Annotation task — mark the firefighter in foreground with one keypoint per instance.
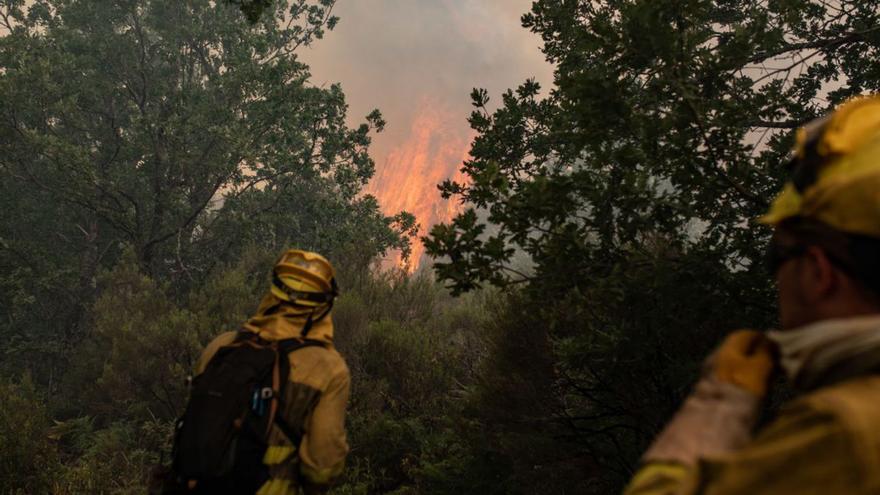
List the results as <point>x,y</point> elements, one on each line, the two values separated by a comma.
<point>267,408</point>
<point>825,254</point>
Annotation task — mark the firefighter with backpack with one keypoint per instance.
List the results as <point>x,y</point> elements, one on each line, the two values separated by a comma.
<point>266,413</point>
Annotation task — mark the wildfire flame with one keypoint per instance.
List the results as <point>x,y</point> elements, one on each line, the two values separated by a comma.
<point>433,152</point>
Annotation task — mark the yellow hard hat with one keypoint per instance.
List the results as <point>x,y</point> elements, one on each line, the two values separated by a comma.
<point>304,278</point>
<point>836,171</point>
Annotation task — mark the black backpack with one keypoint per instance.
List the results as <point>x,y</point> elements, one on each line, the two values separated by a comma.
<point>221,438</point>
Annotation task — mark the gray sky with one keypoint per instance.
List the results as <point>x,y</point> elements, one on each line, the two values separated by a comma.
<point>417,61</point>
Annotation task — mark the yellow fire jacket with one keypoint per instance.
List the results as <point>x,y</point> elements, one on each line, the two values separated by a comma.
<point>314,401</point>
<point>825,442</point>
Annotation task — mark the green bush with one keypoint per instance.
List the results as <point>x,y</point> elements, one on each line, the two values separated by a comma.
<point>117,459</point>
<point>28,458</point>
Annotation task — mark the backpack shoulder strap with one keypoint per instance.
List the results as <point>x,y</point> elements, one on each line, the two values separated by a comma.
<point>285,347</point>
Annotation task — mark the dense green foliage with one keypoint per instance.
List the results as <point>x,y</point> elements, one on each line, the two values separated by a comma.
<point>176,129</point>
<point>156,155</point>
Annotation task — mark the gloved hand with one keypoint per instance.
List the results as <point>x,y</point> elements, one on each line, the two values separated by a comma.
<point>746,359</point>
<point>718,416</point>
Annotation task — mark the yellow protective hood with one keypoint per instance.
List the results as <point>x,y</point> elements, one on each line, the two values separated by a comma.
<point>846,193</point>
<point>277,321</point>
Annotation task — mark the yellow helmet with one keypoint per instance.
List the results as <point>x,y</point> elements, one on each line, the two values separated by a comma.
<point>836,171</point>
<point>304,278</point>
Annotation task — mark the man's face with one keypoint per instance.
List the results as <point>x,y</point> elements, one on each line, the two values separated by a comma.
<point>812,282</point>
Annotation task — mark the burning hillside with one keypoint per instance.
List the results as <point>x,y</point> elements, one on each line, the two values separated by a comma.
<point>408,178</point>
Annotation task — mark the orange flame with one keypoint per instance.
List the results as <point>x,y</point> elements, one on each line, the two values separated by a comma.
<point>437,144</point>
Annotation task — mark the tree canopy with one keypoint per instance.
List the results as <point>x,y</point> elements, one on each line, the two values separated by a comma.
<point>178,130</point>
<point>667,119</point>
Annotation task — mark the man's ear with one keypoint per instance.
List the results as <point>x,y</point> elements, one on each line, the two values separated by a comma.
<point>819,275</point>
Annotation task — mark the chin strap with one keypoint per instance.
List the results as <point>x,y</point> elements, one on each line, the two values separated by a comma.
<point>331,296</point>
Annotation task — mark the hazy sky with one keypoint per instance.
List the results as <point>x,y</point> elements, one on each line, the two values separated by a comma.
<point>395,54</point>
<point>417,61</point>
